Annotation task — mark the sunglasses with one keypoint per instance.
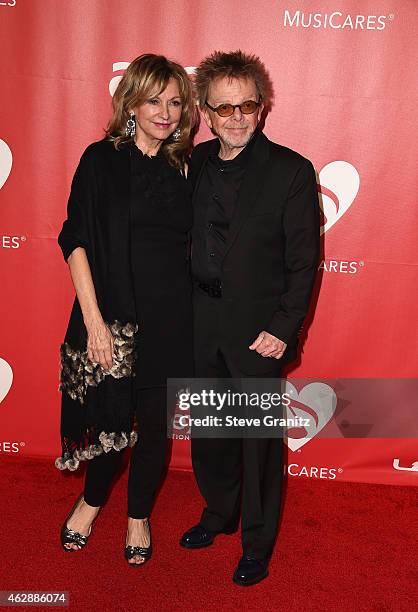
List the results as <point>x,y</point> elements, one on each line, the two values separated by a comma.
<point>226,110</point>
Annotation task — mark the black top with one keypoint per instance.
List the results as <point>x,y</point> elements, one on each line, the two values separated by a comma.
<point>161,220</point>
<point>215,204</point>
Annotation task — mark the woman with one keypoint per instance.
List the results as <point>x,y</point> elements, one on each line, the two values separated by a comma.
<point>126,242</point>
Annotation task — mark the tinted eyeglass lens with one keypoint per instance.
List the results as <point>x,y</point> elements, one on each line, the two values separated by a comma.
<point>224,110</point>
<point>247,108</point>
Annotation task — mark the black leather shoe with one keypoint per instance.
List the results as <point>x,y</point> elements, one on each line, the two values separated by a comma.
<point>250,571</point>
<point>198,537</point>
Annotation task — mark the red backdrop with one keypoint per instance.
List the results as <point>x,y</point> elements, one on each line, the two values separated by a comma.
<point>346,92</point>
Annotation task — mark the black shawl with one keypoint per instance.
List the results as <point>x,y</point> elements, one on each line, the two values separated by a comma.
<point>98,406</point>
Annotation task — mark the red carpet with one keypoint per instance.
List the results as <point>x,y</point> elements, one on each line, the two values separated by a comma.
<point>342,546</point>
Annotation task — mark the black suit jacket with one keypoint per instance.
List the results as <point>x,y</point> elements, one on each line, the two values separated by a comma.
<point>272,250</point>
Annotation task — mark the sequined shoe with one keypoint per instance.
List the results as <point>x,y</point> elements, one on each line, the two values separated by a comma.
<point>68,536</point>
<point>145,553</point>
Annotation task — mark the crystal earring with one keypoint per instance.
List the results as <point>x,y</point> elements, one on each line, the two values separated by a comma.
<point>176,134</point>
<point>130,129</point>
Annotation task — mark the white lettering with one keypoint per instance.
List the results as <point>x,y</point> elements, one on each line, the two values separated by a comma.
<point>412,468</point>
<point>9,447</point>
<point>333,24</point>
<point>371,22</point>
<point>323,473</point>
<point>335,20</point>
<point>360,19</point>
<point>317,20</point>
<point>289,20</point>
<point>348,22</point>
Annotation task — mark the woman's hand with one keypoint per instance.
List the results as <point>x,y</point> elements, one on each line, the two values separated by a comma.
<point>100,344</point>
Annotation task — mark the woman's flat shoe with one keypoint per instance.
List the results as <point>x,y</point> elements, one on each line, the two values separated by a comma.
<point>68,536</point>
<point>145,553</point>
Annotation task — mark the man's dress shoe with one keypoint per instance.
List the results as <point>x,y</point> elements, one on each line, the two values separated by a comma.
<point>197,537</point>
<point>250,571</point>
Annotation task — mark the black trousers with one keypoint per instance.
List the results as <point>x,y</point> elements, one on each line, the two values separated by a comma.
<point>236,475</point>
<point>148,459</point>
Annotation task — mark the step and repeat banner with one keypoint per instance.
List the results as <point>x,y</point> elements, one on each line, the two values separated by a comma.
<point>344,74</point>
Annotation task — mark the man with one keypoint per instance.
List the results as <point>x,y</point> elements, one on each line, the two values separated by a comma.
<point>255,255</point>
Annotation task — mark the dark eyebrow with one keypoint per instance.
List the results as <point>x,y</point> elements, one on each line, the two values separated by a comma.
<point>158,97</point>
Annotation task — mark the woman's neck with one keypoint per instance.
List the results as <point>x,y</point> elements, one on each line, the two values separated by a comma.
<point>149,148</point>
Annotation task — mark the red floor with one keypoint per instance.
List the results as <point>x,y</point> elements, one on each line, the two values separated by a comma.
<point>342,546</point>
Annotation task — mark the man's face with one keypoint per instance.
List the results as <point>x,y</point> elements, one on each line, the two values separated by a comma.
<point>234,131</point>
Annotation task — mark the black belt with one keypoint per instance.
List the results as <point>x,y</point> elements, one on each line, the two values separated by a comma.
<point>213,289</point>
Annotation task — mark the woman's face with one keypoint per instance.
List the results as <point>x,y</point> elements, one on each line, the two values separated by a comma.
<point>159,116</point>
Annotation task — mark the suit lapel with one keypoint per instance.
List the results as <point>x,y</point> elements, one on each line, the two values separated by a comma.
<point>250,188</point>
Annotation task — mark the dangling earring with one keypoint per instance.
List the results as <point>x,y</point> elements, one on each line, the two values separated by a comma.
<point>176,134</point>
<point>130,129</point>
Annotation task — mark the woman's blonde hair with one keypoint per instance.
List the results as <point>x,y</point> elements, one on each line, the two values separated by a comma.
<point>147,76</point>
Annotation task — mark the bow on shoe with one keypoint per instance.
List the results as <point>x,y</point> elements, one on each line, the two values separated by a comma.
<point>73,537</point>
<point>132,551</point>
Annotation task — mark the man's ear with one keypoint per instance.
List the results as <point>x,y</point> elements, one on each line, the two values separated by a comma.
<point>260,111</point>
<point>206,117</point>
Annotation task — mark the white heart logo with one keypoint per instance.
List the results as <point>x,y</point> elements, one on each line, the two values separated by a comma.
<point>339,185</point>
<point>316,401</point>
<point>6,160</point>
<point>115,81</point>
<point>6,378</point>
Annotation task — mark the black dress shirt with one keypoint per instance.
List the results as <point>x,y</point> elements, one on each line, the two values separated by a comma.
<point>215,203</point>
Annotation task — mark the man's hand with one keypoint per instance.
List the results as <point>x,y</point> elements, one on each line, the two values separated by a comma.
<point>268,345</point>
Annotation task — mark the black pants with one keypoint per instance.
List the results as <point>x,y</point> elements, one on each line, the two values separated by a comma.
<point>237,473</point>
<point>148,458</point>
